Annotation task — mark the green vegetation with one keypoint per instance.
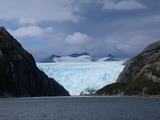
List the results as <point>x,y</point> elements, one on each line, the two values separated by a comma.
<point>136,87</point>
<point>144,83</point>
<point>143,87</point>
<point>112,89</point>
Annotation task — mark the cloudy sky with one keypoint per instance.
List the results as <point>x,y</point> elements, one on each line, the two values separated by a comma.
<point>99,27</point>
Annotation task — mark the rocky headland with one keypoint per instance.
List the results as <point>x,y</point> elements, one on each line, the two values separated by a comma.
<point>19,75</point>
<point>141,75</point>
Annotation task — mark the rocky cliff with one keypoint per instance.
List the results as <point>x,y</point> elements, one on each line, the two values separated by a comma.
<point>141,75</point>
<point>19,75</point>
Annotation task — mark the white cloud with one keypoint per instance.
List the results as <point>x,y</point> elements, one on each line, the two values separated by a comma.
<point>85,1</point>
<point>122,5</point>
<point>36,11</point>
<point>33,11</point>
<point>30,31</point>
<point>78,38</point>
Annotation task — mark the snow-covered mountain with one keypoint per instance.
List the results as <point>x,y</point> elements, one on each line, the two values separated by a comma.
<point>79,57</point>
<point>108,58</point>
<point>50,58</point>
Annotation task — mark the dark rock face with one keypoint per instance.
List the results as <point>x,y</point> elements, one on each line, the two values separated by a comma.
<point>111,59</point>
<point>78,54</point>
<point>19,75</point>
<point>110,55</point>
<point>142,73</point>
<point>50,58</point>
<point>148,62</point>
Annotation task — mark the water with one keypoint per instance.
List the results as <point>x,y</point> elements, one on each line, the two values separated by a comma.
<point>80,108</point>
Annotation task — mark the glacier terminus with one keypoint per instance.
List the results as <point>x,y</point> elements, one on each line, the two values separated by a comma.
<point>76,77</point>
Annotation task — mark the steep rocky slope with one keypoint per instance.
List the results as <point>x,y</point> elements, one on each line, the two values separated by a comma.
<point>141,74</point>
<point>19,75</point>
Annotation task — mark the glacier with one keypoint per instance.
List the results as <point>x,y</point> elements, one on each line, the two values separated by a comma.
<point>77,77</point>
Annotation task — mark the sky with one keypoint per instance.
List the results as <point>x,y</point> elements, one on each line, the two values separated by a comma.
<point>61,27</point>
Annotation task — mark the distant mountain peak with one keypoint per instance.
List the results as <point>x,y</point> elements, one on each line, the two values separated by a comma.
<point>52,56</point>
<point>78,54</point>
<point>110,55</point>
<point>111,59</point>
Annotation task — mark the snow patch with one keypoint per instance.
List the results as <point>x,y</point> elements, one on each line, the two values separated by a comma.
<point>83,58</point>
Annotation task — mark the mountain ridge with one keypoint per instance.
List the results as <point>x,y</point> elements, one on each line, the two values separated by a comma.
<point>79,57</point>
<point>78,54</point>
<point>19,75</point>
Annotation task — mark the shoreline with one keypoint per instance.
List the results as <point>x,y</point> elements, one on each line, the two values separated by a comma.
<point>74,96</point>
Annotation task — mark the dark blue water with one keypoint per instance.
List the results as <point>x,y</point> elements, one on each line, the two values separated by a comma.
<point>80,108</point>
